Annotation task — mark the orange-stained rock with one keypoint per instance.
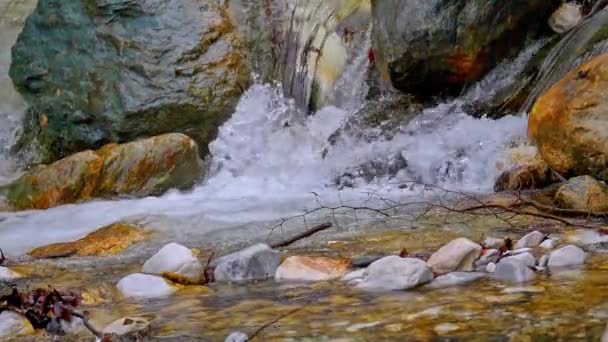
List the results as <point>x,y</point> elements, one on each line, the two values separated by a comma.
<point>569,123</point>
<point>68,180</point>
<point>110,240</point>
<point>302,268</point>
<point>150,166</point>
<point>523,168</point>
<point>139,168</point>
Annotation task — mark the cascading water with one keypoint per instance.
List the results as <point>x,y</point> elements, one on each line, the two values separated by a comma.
<point>12,106</point>
<point>270,156</point>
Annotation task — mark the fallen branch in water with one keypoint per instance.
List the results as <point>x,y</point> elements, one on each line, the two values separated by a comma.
<point>85,320</point>
<point>208,270</point>
<point>448,203</point>
<point>302,235</point>
<point>2,258</point>
<point>274,321</point>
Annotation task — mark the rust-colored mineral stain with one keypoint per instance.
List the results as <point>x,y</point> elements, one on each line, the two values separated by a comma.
<point>466,67</point>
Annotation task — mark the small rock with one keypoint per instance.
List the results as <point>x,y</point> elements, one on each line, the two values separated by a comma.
<point>354,276</point>
<point>301,268</point>
<point>567,256</point>
<point>583,193</point>
<point>255,262</point>
<point>396,273</point>
<point>445,328</point>
<point>513,270</point>
<point>360,326</point>
<point>493,243</point>
<point>527,258</point>
<point>129,328</point>
<point>532,239</point>
<point>237,336</point>
<point>491,267</point>
<point>507,299</point>
<point>566,17</point>
<point>487,256</point>
<point>455,279</point>
<point>457,255</point>
<point>524,289</point>
<point>8,274</point>
<point>14,325</point>
<point>548,244</point>
<point>177,263</point>
<point>140,285</point>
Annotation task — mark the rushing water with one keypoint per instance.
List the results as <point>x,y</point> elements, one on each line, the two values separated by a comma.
<point>269,159</point>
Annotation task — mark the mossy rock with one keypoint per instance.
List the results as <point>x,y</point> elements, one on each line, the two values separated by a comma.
<point>96,72</point>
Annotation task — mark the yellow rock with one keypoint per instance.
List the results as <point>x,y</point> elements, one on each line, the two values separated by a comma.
<point>569,123</point>
<point>302,268</point>
<point>110,240</point>
<point>139,168</point>
<point>66,181</point>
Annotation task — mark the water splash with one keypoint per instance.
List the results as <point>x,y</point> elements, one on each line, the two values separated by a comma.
<point>269,158</point>
<point>12,106</point>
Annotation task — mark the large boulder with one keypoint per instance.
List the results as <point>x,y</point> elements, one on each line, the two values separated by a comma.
<point>140,168</point>
<point>96,72</point>
<point>430,46</point>
<point>583,193</point>
<point>569,122</point>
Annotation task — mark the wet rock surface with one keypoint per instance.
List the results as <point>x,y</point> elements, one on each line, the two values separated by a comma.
<point>468,39</point>
<point>142,286</point>
<point>255,262</point>
<point>458,255</point>
<point>144,167</point>
<point>567,256</point>
<point>304,269</point>
<point>567,121</point>
<point>110,240</point>
<point>395,273</point>
<point>177,263</point>
<point>583,193</point>
<point>13,325</point>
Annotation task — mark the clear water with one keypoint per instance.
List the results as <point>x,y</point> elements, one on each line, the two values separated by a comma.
<point>267,162</point>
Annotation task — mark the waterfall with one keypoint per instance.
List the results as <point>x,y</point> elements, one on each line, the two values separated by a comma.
<point>268,159</point>
<point>12,106</point>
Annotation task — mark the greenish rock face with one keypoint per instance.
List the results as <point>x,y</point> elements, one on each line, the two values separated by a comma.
<point>427,47</point>
<point>103,71</point>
